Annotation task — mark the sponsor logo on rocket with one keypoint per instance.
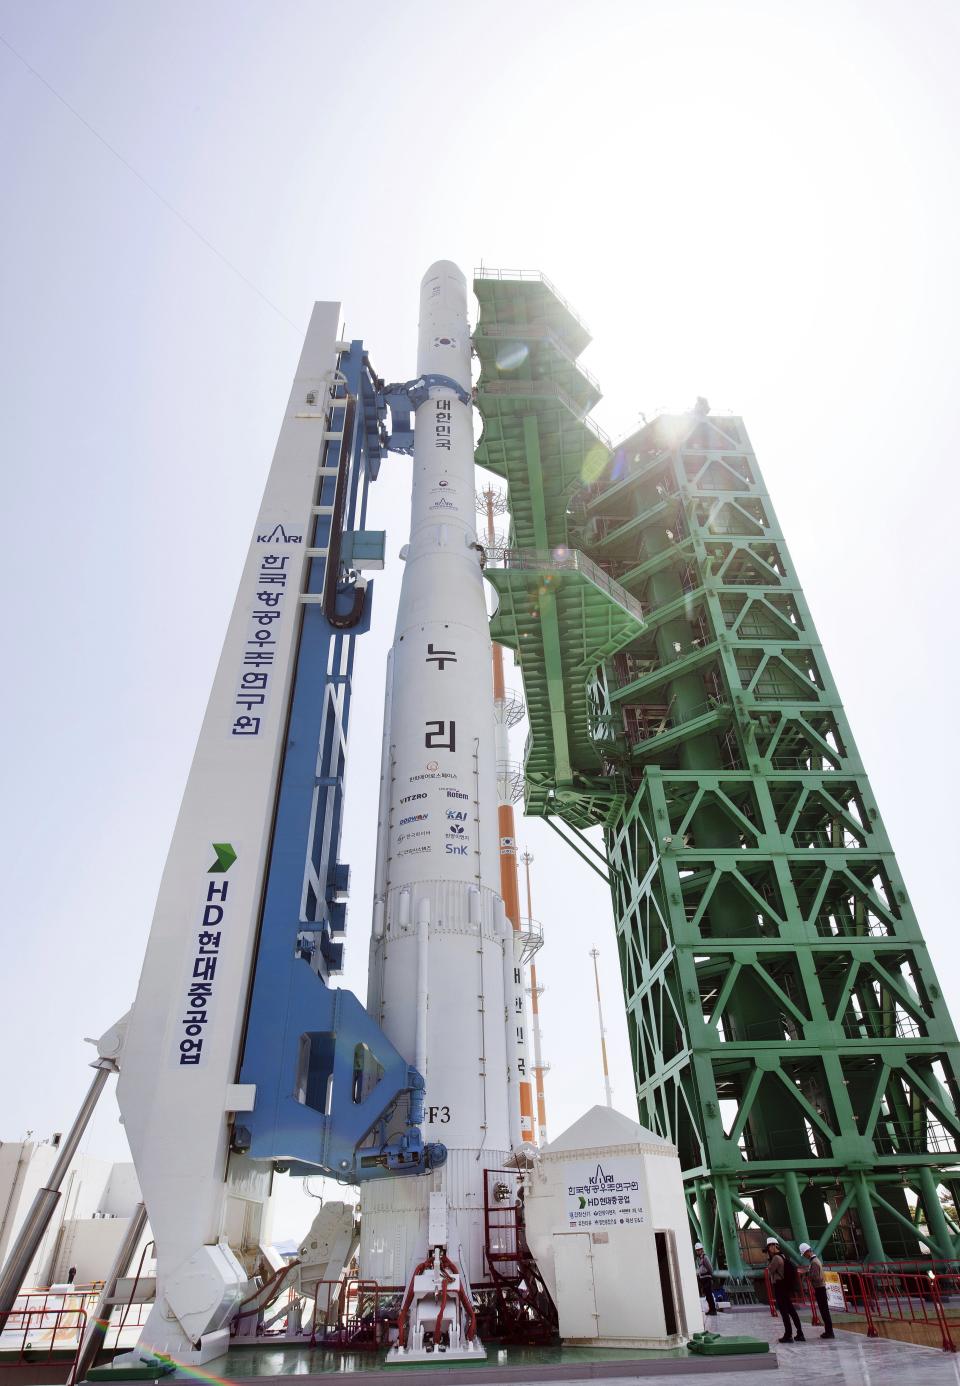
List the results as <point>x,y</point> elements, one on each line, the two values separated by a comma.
<point>457,794</point>
<point>414,818</point>
<point>409,798</point>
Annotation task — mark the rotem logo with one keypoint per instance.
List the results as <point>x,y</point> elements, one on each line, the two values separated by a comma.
<point>278,535</point>
<point>457,794</point>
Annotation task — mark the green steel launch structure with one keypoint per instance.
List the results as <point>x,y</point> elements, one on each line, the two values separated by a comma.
<point>787,1029</point>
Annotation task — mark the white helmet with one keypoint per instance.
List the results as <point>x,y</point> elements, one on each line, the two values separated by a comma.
<point>772,1241</point>
<point>804,1247</point>
<point>698,1246</point>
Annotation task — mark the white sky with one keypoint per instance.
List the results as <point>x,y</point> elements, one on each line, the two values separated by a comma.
<point>757,202</point>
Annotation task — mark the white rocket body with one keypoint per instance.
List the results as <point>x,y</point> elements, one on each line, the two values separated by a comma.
<point>437,975</point>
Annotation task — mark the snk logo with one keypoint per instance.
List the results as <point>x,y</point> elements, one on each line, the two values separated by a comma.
<point>278,535</point>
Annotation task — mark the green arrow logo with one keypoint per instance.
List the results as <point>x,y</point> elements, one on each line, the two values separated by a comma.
<point>226,856</point>
<point>583,1201</point>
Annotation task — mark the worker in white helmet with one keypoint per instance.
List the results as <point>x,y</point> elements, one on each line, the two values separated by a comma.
<point>705,1277</point>
<point>814,1270</point>
<point>784,1281</point>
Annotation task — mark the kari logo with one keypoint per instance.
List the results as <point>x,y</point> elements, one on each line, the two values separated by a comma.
<point>414,818</point>
<point>457,794</point>
<point>456,829</point>
<point>278,535</point>
<point>409,798</point>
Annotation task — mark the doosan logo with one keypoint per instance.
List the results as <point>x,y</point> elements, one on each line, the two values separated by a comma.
<point>278,535</point>
<point>409,798</point>
<point>414,818</point>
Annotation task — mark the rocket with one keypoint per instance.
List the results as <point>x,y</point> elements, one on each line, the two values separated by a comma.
<point>442,949</point>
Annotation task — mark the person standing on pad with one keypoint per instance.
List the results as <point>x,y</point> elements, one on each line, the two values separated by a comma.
<point>705,1277</point>
<point>784,1280</point>
<point>814,1269</point>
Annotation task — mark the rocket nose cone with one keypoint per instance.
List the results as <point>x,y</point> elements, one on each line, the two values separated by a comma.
<point>443,269</point>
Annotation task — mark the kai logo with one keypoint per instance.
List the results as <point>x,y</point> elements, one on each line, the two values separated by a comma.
<point>278,535</point>
<point>457,815</point>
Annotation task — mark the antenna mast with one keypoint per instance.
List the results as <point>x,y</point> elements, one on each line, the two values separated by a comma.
<point>608,1091</point>
<point>539,1067</point>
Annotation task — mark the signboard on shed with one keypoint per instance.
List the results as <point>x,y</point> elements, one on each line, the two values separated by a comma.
<point>611,1193</point>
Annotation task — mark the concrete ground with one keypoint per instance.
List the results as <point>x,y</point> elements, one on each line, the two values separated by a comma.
<point>849,1360</point>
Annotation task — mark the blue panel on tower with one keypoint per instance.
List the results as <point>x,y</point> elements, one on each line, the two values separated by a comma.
<point>302,1039</point>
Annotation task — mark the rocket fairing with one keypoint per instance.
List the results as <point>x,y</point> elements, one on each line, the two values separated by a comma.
<point>442,948</point>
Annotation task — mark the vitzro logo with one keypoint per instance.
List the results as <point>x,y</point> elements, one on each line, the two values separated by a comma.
<point>414,818</point>
<point>278,535</point>
<point>409,798</point>
<point>457,794</point>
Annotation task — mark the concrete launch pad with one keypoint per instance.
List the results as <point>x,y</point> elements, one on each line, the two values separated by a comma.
<point>251,1367</point>
<point>850,1360</point>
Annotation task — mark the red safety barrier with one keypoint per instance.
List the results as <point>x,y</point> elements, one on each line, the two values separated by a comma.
<point>898,1296</point>
<point>34,1325</point>
<point>354,1313</point>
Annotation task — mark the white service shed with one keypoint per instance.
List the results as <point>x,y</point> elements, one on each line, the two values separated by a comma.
<point>606,1220</point>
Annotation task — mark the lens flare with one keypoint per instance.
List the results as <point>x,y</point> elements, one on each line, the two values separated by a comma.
<point>594,464</point>
<point>510,355</point>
